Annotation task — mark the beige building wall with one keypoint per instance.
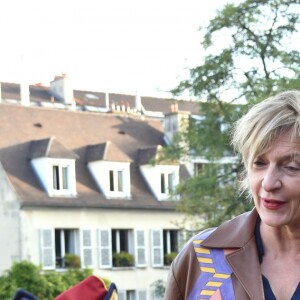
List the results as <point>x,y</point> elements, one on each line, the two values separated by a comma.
<point>94,219</point>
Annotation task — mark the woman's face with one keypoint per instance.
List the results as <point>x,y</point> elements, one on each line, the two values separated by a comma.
<point>274,179</point>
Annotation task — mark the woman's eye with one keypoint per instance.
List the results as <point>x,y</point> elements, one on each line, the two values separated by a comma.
<point>258,163</point>
<point>292,168</point>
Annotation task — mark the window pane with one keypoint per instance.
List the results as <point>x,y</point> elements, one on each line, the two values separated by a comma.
<point>131,295</point>
<point>174,240</point>
<point>55,178</point>
<point>114,240</point>
<point>166,241</point>
<point>171,182</point>
<point>111,181</point>
<point>162,183</point>
<point>58,248</point>
<point>65,178</point>
<point>198,168</point>
<point>120,181</point>
<point>124,245</point>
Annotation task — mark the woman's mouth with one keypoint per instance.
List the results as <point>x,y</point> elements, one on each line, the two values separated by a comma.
<point>272,203</point>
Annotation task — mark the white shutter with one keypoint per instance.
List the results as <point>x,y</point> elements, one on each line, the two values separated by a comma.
<point>141,295</point>
<point>157,248</point>
<point>104,248</point>
<point>86,248</point>
<point>122,295</point>
<point>140,248</point>
<point>47,249</point>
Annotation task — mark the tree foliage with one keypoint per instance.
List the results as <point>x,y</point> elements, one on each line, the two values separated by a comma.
<point>44,285</point>
<point>250,54</point>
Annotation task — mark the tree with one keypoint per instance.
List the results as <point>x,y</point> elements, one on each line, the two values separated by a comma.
<point>43,285</point>
<point>257,58</point>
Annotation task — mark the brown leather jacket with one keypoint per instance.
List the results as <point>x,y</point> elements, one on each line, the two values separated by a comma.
<point>237,239</point>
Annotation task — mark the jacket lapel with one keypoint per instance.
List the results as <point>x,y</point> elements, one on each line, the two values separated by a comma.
<point>237,238</point>
<point>245,265</point>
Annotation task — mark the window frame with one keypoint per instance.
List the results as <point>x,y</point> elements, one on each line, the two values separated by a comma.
<point>161,245</point>
<point>60,177</point>
<point>63,234</point>
<point>116,180</point>
<point>170,241</point>
<point>50,251</point>
<point>122,241</point>
<point>167,182</point>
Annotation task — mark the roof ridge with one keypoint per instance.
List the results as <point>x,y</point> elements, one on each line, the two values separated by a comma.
<point>107,145</point>
<point>51,139</point>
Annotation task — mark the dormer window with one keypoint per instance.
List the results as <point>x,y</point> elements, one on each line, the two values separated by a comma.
<point>54,164</point>
<point>56,175</point>
<point>110,168</point>
<point>163,177</point>
<point>198,168</point>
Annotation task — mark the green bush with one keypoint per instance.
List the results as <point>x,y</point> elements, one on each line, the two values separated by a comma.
<point>60,282</point>
<point>123,259</point>
<point>72,261</point>
<point>44,285</point>
<point>22,275</point>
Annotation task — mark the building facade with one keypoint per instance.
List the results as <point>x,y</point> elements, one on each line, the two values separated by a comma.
<point>83,182</point>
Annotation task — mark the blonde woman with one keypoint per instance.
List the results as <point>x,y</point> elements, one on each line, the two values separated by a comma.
<point>257,254</point>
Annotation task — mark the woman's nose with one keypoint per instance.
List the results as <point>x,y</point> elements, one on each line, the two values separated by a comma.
<point>271,179</point>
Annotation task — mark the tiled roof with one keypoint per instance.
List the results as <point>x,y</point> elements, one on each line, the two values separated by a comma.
<point>146,155</point>
<point>74,132</point>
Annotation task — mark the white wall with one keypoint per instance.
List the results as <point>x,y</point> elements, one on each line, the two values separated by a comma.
<point>94,219</point>
<point>9,223</point>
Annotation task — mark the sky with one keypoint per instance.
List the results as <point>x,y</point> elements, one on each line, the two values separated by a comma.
<point>115,46</point>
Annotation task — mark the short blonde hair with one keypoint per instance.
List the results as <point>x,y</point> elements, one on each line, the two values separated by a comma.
<point>264,122</point>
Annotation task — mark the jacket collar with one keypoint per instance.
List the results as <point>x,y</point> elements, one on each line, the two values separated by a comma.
<point>234,233</point>
<point>238,235</point>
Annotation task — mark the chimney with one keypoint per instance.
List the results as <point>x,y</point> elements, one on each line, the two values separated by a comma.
<point>138,102</point>
<point>107,100</point>
<point>61,88</point>
<point>73,106</point>
<point>175,122</point>
<point>24,94</point>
